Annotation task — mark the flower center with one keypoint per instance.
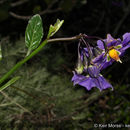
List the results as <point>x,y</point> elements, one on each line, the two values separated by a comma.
<point>114,55</point>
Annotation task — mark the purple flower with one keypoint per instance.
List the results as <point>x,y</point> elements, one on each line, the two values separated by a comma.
<point>115,49</point>
<point>125,42</point>
<point>93,79</point>
<point>91,60</point>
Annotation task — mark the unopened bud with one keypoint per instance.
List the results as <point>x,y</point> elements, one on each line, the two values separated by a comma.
<point>79,69</point>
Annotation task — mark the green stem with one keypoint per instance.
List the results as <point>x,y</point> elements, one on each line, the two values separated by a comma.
<point>19,64</point>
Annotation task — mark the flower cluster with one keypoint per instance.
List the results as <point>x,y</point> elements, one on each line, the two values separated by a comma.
<point>93,59</point>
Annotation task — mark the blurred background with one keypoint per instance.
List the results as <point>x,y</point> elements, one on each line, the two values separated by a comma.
<point>45,98</point>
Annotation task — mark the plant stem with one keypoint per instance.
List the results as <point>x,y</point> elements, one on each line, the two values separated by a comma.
<point>19,64</point>
<point>66,39</point>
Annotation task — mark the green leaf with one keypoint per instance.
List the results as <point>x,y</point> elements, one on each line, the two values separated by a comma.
<point>0,53</point>
<point>10,82</point>
<point>55,28</point>
<point>34,33</point>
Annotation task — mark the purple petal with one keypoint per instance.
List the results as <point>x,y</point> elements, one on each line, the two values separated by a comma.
<point>109,38</point>
<point>113,43</point>
<point>105,64</point>
<point>100,44</point>
<point>125,48</point>
<point>93,71</point>
<point>101,83</point>
<point>126,39</point>
<point>119,42</point>
<point>77,78</point>
<point>87,83</point>
<point>102,61</point>
<point>99,59</point>
<point>84,81</point>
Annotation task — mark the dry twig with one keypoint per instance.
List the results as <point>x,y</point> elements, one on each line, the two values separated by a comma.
<point>18,3</point>
<point>6,96</point>
<point>47,11</point>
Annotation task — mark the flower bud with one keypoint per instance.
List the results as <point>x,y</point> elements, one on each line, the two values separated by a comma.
<point>79,69</point>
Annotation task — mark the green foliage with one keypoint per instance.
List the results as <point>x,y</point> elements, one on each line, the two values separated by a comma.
<point>10,82</point>
<point>34,33</point>
<point>49,94</point>
<point>37,90</point>
<point>55,28</point>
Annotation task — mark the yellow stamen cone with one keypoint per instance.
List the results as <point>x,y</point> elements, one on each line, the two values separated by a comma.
<point>114,55</point>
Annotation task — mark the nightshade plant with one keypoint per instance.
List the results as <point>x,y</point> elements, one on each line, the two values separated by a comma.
<point>91,59</point>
